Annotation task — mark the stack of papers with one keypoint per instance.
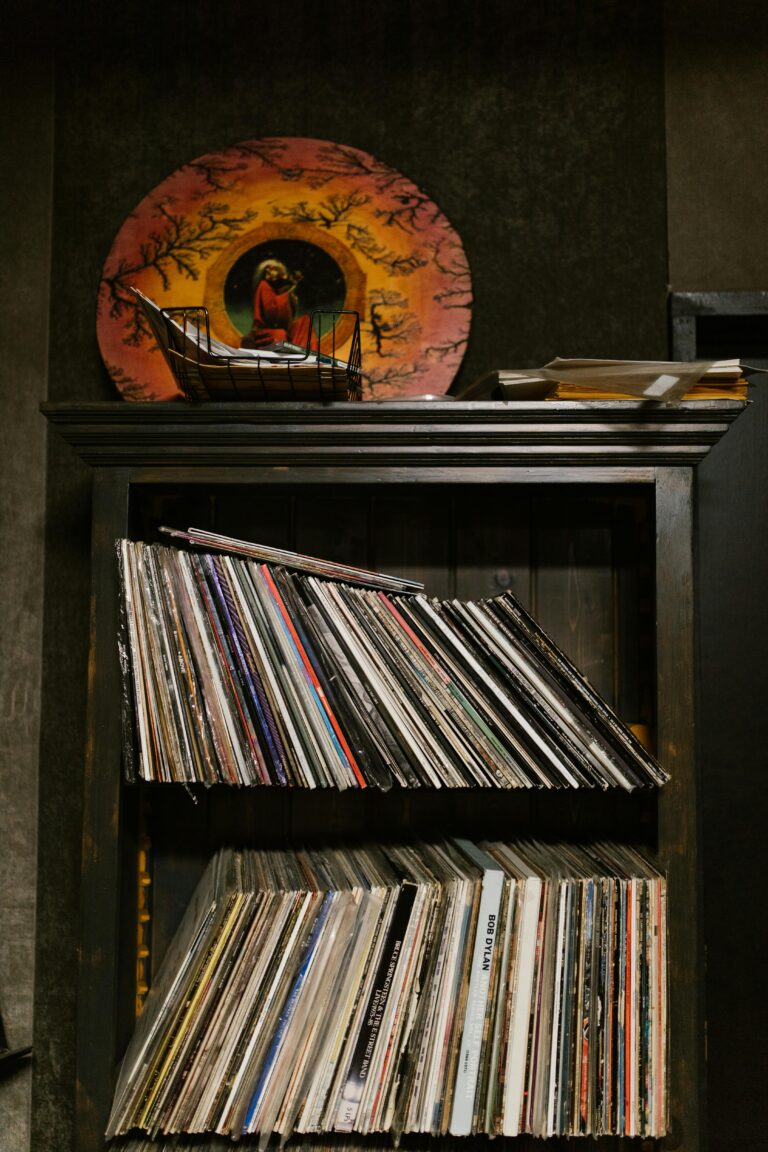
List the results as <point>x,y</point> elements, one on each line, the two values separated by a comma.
<point>658,380</point>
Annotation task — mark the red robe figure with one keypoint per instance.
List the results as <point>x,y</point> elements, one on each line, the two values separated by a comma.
<point>274,308</point>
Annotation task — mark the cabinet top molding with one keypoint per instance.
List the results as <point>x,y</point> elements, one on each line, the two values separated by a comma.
<point>385,435</point>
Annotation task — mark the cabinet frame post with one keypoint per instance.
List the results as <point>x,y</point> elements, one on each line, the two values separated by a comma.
<point>677,812</point>
<point>100,863</point>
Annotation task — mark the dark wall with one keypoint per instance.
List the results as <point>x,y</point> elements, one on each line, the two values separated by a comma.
<point>717,144</point>
<point>539,133</point>
<point>538,129</point>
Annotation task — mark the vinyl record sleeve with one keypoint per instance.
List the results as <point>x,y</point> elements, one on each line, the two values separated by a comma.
<point>253,719</point>
<point>494,763</point>
<point>406,720</point>
<point>343,660</point>
<point>176,974</point>
<point>343,998</point>
<point>298,763</point>
<point>436,740</point>
<point>426,1089</point>
<point>329,668</point>
<point>466,753</point>
<point>490,702</point>
<point>381,683</point>
<point>572,679</point>
<point>368,1036</point>
<point>535,728</point>
<point>294,561</point>
<point>500,768</point>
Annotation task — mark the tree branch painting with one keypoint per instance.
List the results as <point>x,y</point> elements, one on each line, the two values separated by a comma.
<point>197,238</point>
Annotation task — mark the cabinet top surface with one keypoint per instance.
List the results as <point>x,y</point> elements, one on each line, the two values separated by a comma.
<point>416,434</point>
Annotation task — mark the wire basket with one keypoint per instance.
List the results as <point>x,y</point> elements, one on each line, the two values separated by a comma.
<point>206,370</point>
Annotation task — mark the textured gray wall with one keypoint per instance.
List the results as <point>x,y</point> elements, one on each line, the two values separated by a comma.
<point>26,96</point>
<point>717,144</point>
<point>542,136</point>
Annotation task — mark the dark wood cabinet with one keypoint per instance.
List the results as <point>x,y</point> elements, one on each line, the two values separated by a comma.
<point>584,510</point>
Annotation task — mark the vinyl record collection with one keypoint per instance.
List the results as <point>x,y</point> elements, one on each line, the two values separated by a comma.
<point>440,988</point>
<point>299,673</point>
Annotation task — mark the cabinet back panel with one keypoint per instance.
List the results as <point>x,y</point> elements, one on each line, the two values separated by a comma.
<point>184,831</point>
<point>581,560</point>
<point>582,563</point>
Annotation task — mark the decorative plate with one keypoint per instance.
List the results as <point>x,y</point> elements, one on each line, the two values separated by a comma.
<point>348,232</point>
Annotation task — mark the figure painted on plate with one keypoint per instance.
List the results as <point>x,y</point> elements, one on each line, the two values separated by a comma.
<point>275,308</point>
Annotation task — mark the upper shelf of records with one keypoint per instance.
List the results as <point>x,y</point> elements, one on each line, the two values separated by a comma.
<point>241,672</point>
<point>425,436</point>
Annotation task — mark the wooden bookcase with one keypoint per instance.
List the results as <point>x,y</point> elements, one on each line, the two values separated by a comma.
<point>584,509</point>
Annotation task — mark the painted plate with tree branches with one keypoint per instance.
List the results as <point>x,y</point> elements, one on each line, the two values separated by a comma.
<point>265,232</point>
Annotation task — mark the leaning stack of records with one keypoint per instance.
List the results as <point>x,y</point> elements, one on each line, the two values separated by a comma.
<point>243,671</point>
<point>434,988</point>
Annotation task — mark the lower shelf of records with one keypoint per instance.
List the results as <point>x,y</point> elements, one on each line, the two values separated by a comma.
<point>444,988</point>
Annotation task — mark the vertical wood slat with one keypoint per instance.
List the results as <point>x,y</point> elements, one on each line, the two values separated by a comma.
<point>678,816</point>
<point>574,588</point>
<point>100,878</point>
<point>493,545</point>
<point>334,526</point>
<point>258,515</point>
<point>179,852</point>
<point>412,538</point>
<point>173,507</point>
<point>634,583</point>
